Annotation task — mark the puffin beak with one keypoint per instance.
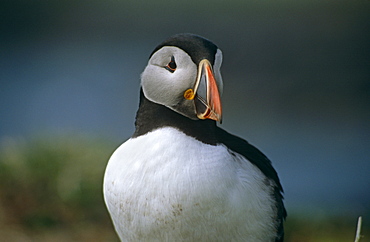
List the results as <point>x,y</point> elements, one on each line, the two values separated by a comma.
<point>206,95</point>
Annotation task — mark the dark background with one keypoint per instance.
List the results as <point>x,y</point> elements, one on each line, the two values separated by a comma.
<point>296,80</point>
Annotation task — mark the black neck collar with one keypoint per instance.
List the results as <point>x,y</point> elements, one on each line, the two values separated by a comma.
<point>151,116</point>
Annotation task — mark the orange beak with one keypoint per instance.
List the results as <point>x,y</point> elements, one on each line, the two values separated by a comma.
<point>207,96</point>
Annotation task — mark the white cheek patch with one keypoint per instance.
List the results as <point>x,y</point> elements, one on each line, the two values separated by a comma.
<point>162,86</point>
<point>152,90</point>
<point>161,58</point>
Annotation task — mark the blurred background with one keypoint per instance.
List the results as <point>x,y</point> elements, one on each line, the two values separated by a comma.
<point>296,85</point>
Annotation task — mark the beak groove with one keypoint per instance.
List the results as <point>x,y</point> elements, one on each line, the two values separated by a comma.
<point>207,96</point>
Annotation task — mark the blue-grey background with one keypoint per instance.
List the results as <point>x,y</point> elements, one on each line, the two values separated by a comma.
<point>296,80</point>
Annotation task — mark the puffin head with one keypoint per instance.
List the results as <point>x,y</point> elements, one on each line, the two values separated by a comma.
<point>183,74</point>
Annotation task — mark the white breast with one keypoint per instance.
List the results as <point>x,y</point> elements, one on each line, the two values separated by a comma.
<point>166,186</point>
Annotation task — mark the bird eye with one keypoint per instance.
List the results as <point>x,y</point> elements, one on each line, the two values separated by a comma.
<point>171,67</point>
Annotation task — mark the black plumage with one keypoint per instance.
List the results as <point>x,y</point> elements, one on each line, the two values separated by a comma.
<point>208,132</point>
<point>197,47</point>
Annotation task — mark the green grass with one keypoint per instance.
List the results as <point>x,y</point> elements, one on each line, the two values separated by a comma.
<point>51,190</point>
<point>54,186</point>
<point>302,228</point>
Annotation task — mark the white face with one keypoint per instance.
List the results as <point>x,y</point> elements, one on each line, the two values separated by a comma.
<point>166,86</point>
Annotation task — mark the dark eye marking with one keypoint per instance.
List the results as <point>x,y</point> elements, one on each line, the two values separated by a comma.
<point>171,66</point>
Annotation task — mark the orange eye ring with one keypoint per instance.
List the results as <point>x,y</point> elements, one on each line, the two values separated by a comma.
<point>171,67</point>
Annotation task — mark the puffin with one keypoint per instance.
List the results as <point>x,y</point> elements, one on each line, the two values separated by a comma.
<point>180,177</point>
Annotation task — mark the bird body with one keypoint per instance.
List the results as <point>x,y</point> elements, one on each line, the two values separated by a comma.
<point>190,190</point>
<point>180,177</point>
